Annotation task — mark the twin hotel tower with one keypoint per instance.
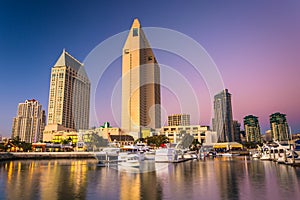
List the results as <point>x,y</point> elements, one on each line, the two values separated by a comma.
<point>69,103</point>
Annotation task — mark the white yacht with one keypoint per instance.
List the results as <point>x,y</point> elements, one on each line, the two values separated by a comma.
<point>148,153</point>
<point>167,155</point>
<point>280,151</point>
<point>255,154</point>
<point>297,146</point>
<point>265,153</point>
<point>107,155</point>
<point>129,160</point>
<point>130,156</point>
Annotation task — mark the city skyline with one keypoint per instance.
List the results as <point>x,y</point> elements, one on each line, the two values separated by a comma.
<point>253,44</point>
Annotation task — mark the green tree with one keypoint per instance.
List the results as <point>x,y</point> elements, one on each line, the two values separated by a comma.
<point>157,140</point>
<point>195,144</point>
<point>65,141</point>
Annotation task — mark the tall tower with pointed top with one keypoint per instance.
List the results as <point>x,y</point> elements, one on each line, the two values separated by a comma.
<point>69,96</point>
<point>140,83</point>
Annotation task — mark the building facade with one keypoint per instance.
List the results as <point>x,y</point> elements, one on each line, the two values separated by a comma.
<point>268,136</point>
<point>237,131</point>
<point>279,127</point>
<point>252,129</point>
<point>179,120</point>
<point>69,95</point>
<point>223,120</point>
<point>140,83</point>
<point>30,122</point>
<point>175,133</point>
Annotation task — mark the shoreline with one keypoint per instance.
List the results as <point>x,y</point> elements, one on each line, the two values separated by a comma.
<point>9,156</point>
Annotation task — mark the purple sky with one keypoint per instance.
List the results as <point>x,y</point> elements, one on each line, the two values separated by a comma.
<point>255,45</point>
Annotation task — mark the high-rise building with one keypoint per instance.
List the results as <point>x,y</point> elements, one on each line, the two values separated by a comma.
<point>30,122</point>
<point>268,135</point>
<point>236,130</point>
<point>69,95</point>
<point>252,129</point>
<point>279,127</point>
<point>223,120</point>
<point>179,120</point>
<point>140,83</point>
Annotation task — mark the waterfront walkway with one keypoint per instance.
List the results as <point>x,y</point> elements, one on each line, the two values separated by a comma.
<point>44,155</point>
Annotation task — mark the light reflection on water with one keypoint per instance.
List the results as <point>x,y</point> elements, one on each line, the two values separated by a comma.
<point>221,178</point>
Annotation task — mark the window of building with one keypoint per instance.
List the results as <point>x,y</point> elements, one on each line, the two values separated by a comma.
<point>135,32</point>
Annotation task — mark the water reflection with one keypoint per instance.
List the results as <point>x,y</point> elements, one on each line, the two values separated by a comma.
<point>221,178</point>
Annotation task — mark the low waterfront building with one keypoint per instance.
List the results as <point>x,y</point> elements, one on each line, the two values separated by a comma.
<point>175,133</point>
<point>51,130</point>
<point>38,147</point>
<point>228,146</point>
<point>103,132</point>
<point>121,139</point>
<point>65,137</point>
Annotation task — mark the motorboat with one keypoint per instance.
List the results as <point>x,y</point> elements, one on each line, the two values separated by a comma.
<point>142,146</point>
<point>226,154</point>
<point>207,151</point>
<point>107,155</point>
<point>265,153</point>
<point>293,158</point>
<point>297,146</point>
<point>129,160</point>
<point>280,151</point>
<point>130,156</point>
<point>167,155</point>
<point>130,149</point>
<point>190,155</point>
<point>255,155</point>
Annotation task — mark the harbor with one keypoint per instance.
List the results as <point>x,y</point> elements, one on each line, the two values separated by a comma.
<point>164,156</point>
<point>216,178</point>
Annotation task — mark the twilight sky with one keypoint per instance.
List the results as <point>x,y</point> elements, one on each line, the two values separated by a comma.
<point>254,44</point>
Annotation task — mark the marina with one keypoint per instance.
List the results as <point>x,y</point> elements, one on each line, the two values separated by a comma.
<point>237,177</point>
<point>277,152</point>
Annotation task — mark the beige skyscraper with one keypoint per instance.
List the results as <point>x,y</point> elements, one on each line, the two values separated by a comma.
<point>140,83</point>
<point>30,121</point>
<point>69,96</point>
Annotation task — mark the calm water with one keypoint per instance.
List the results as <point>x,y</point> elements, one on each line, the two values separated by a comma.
<point>221,178</point>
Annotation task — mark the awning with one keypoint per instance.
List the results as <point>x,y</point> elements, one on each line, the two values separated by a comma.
<point>220,146</point>
<point>236,146</point>
<point>226,145</point>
